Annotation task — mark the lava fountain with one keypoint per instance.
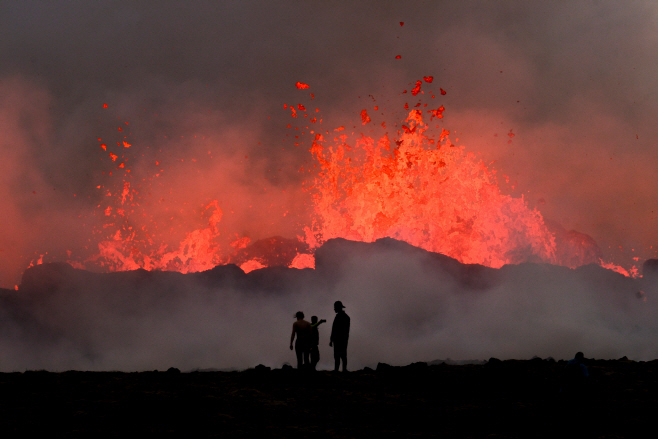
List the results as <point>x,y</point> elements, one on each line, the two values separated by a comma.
<point>417,187</point>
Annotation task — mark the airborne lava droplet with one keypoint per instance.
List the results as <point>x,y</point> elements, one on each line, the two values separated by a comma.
<point>126,144</point>
<point>104,146</point>
<point>428,79</point>
<point>443,92</point>
<point>113,156</point>
<point>364,117</point>
<point>416,89</point>
<point>301,85</point>
<point>401,23</point>
<point>104,105</point>
<point>398,57</point>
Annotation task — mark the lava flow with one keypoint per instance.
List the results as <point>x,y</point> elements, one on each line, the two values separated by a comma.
<point>418,187</point>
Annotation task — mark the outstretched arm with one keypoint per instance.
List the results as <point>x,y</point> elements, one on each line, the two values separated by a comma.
<point>314,325</point>
<point>292,336</point>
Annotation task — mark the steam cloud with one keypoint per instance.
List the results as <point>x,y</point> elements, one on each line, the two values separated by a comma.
<point>405,304</point>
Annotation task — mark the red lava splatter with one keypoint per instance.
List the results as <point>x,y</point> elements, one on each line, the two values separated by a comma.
<point>364,117</point>
<point>406,106</point>
<point>510,134</point>
<point>113,157</point>
<point>437,113</point>
<point>301,107</point>
<point>443,92</point>
<point>104,105</point>
<point>301,85</point>
<point>428,79</point>
<point>401,23</point>
<point>398,57</point>
<point>104,146</point>
<point>126,144</point>
<point>416,89</point>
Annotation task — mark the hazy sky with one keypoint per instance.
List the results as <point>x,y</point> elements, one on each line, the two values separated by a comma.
<point>575,81</point>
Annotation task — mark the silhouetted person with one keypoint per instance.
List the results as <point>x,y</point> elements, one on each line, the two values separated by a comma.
<point>315,341</point>
<point>574,378</point>
<point>340,333</point>
<point>302,346</point>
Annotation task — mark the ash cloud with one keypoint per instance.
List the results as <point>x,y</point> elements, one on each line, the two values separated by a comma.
<point>406,305</point>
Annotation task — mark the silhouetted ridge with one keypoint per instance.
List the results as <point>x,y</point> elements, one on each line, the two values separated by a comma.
<point>335,253</point>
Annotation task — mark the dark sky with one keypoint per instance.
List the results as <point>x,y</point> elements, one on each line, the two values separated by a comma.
<point>575,81</point>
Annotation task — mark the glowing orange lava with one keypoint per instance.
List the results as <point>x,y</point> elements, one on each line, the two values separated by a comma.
<point>426,191</point>
<point>418,187</point>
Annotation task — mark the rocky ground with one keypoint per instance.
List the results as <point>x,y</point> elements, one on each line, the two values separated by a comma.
<point>512,398</point>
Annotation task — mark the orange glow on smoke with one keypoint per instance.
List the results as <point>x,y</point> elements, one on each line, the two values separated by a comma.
<point>417,186</point>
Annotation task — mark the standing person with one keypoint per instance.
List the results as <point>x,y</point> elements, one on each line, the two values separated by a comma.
<point>340,333</point>
<point>302,346</point>
<point>315,341</point>
<point>575,375</point>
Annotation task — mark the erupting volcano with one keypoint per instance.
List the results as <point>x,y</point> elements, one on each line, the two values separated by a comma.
<point>412,184</point>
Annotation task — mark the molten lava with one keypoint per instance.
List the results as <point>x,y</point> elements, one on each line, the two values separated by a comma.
<point>418,187</point>
<point>427,192</point>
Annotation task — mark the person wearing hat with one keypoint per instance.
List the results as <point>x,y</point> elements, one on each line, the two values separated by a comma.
<point>340,333</point>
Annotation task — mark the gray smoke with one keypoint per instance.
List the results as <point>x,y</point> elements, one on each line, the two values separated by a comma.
<point>405,304</point>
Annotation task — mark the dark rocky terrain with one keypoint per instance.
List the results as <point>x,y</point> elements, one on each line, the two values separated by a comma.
<point>508,399</point>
